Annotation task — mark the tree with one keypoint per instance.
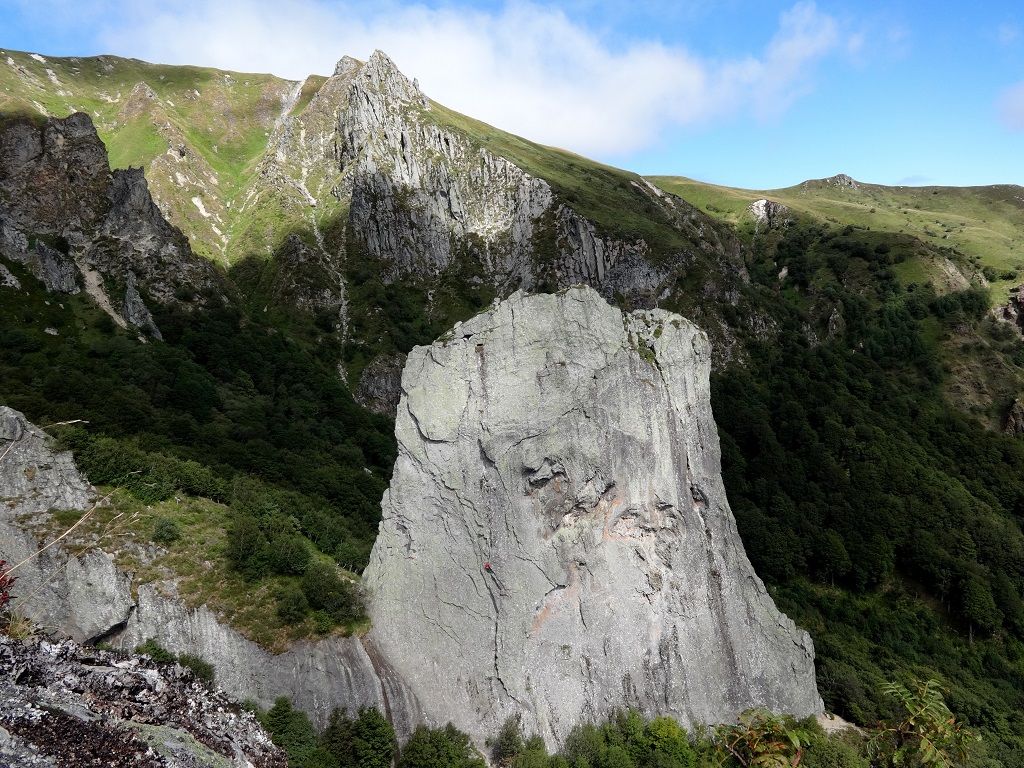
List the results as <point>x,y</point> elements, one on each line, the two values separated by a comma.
<point>669,745</point>
<point>835,560</point>
<point>291,730</point>
<point>760,740</point>
<point>336,739</point>
<point>509,742</point>
<point>929,734</point>
<point>979,607</point>
<point>373,739</point>
<point>446,747</point>
<point>326,591</point>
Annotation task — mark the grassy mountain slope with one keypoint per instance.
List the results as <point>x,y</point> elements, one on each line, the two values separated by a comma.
<point>983,224</point>
<point>210,127</point>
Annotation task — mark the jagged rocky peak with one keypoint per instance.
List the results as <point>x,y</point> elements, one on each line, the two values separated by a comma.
<point>73,223</point>
<point>556,541</point>
<point>380,74</point>
<point>346,65</point>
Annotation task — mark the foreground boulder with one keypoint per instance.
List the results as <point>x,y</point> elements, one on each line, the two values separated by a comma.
<point>64,705</point>
<point>556,541</point>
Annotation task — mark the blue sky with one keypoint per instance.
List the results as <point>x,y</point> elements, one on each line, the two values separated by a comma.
<point>751,94</point>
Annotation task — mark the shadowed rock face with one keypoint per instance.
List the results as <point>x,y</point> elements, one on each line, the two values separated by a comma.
<point>556,540</point>
<point>56,185</point>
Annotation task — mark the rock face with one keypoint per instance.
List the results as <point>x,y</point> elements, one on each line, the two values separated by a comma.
<point>87,599</point>
<point>62,705</point>
<point>73,224</point>
<point>768,213</point>
<point>317,677</point>
<point>556,541</point>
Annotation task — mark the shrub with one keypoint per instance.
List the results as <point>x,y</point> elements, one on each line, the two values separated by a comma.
<point>928,734</point>
<point>166,530</point>
<point>509,742</point>
<point>761,739</point>
<point>291,730</point>
<point>200,667</point>
<point>289,554</point>
<point>292,605</point>
<point>446,747</point>
<point>326,591</point>
<point>155,651</point>
<point>323,622</point>
<point>373,739</point>
<point>248,550</point>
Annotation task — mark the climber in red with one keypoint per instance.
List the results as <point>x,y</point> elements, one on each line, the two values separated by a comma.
<point>487,567</point>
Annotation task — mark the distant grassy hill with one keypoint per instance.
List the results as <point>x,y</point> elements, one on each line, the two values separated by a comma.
<point>983,224</point>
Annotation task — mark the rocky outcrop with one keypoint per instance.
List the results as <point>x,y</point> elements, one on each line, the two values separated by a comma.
<point>1013,311</point>
<point>1013,424</point>
<point>33,477</point>
<point>423,196</point>
<point>317,677</point>
<point>87,599</point>
<point>72,222</point>
<point>556,541</point>
<point>380,384</point>
<point>63,705</point>
<point>76,597</point>
<point>768,214</point>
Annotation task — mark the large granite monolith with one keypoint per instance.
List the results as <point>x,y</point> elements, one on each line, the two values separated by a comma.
<point>556,540</point>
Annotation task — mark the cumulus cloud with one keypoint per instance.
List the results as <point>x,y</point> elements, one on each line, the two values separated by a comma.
<point>1011,107</point>
<point>525,67</point>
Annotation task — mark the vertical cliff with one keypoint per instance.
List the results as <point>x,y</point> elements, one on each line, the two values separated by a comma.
<point>556,539</point>
<point>76,225</point>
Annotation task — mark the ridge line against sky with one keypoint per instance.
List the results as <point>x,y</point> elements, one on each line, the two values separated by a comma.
<point>749,94</point>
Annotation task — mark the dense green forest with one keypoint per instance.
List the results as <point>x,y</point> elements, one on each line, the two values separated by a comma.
<point>887,523</point>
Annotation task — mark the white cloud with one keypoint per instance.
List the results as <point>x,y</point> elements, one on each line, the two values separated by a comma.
<point>1008,33</point>
<point>1010,105</point>
<point>527,68</point>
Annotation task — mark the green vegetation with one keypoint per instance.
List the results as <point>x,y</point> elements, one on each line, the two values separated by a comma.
<point>856,424</point>
<point>887,523</point>
<point>446,747</point>
<point>202,669</point>
<point>214,124</point>
<point>227,409</point>
<point>983,224</point>
<point>927,733</point>
<point>367,741</point>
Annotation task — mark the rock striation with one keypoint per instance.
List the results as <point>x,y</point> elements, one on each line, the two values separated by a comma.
<point>556,541</point>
